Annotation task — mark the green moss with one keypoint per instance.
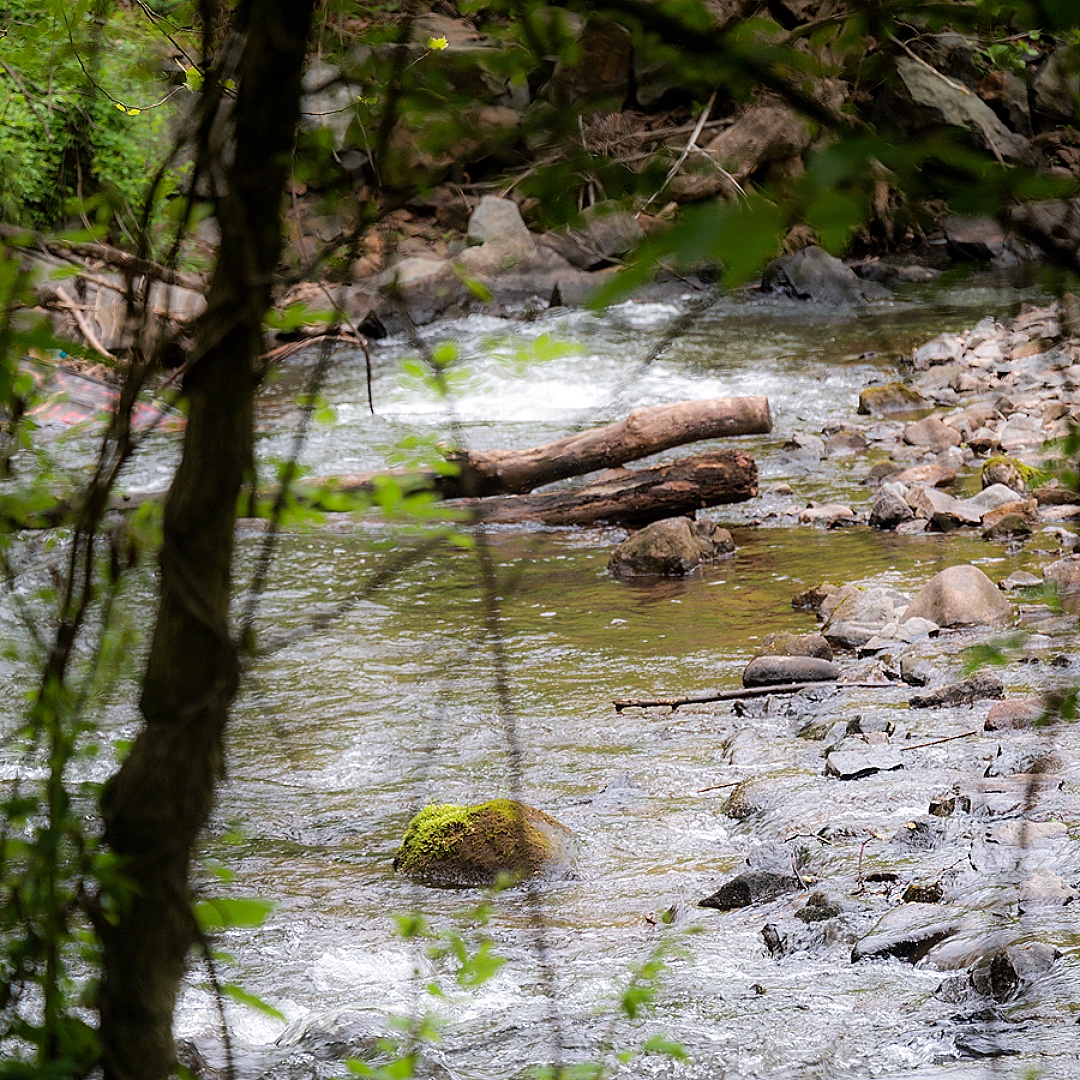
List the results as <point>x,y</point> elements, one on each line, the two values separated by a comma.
<point>452,845</point>
<point>1029,475</point>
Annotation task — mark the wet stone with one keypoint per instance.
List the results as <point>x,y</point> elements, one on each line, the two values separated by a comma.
<point>907,932</point>
<point>924,834</point>
<point>890,400</point>
<point>776,670</point>
<point>856,764</point>
<point>818,908</point>
<point>752,887</point>
<point>1014,714</point>
<point>916,671</point>
<point>1019,579</point>
<point>923,892</point>
<point>786,643</point>
<point>775,942</point>
<point>1003,973</point>
<point>889,509</point>
<point>1045,889</point>
<point>932,433</point>
<point>977,688</point>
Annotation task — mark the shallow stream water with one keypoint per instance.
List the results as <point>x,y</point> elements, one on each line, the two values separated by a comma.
<point>340,737</point>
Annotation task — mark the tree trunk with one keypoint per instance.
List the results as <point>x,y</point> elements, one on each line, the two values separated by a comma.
<point>635,496</point>
<point>156,805</point>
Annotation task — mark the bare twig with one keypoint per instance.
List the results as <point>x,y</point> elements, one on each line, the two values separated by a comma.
<point>933,70</point>
<point>732,695</point>
<point>691,145</point>
<point>87,330</point>
<point>947,738</point>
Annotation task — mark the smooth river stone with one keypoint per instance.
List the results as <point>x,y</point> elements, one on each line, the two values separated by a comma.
<point>775,670</point>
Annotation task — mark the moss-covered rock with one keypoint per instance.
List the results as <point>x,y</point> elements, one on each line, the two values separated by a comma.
<point>892,400</point>
<point>1015,474</point>
<point>453,846</point>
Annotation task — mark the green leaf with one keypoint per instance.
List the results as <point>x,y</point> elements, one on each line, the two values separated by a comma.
<point>658,1044</point>
<point>224,913</point>
<point>231,990</point>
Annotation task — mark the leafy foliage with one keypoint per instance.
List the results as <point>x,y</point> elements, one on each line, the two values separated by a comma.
<point>84,115</point>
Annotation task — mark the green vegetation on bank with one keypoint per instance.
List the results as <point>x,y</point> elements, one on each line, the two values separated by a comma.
<point>88,96</point>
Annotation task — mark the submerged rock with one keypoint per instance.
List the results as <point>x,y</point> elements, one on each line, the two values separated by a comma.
<point>907,932</point>
<point>452,846</point>
<point>1046,889</point>
<point>670,547</point>
<point>753,887</point>
<point>960,596</point>
<point>1003,973</point>
<point>818,908</point>
<point>856,764</point>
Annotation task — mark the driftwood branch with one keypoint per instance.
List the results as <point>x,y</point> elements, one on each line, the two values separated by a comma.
<point>635,496</point>
<point>87,331</point>
<point>105,253</point>
<point>644,432</point>
<point>734,695</point>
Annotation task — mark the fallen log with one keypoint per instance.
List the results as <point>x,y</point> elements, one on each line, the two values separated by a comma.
<point>634,497</point>
<point>643,433</point>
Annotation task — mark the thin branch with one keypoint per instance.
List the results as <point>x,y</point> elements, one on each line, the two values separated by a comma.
<point>702,120</point>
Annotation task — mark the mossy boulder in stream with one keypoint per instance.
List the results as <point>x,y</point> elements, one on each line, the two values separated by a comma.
<point>452,846</point>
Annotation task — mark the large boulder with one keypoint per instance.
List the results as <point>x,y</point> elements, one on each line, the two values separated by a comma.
<point>452,846</point>
<point>765,134</point>
<point>670,547</point>
<point>814,274</point>
<point>960,596</point>
<point>498,222</point>
<point>921,99</point>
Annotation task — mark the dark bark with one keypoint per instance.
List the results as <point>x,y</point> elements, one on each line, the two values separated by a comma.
<point>642,433</point>
<point>510,472</point>
<point>634,496</point>
<point>156,805</point>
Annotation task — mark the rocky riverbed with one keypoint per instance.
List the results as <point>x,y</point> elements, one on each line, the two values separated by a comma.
<point>888,858</point>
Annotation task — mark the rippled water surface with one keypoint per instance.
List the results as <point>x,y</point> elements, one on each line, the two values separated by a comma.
<point>340,737</point>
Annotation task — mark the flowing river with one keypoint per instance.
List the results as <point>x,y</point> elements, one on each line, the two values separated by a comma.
<point>341,736</point>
